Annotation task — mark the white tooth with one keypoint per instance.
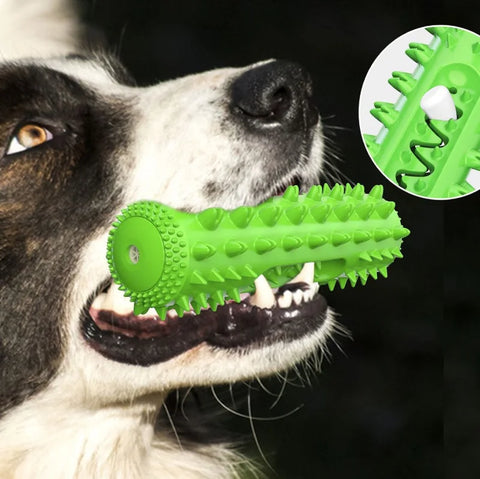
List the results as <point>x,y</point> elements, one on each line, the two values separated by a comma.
<point>298,296</point>
<point>99,301</point>
<point>285,300</point>
<point>308,295</point>
<point>305,275</point>
<point>438,104</point>
<point>151,312</point>
<point>113,300</point>
<point>316,287</point>
<point>263,297</point>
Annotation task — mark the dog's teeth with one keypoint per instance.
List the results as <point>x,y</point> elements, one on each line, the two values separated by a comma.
<point>298,297</point>
<point>263,297</point>
<point>305,275</point>
<point>308,295</point>
<point>285,300</point>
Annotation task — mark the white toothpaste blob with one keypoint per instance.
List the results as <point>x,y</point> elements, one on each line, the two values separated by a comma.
<point>438,104</point>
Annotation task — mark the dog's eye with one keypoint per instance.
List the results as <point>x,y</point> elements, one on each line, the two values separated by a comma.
<point>28,136</point>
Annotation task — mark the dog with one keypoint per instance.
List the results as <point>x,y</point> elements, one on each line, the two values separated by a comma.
<point>82,379</point>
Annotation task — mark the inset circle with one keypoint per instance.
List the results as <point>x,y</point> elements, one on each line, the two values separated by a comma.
<point>419,112</point>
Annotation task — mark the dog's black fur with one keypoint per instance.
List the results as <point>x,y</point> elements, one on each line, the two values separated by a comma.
<point>51,198</point>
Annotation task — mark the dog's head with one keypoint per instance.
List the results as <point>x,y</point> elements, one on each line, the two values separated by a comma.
<point>79,141</point>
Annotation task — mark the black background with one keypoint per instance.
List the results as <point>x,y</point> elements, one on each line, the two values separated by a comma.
<point>402,400</point>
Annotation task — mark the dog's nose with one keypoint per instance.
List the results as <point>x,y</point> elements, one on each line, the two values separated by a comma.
<point>278,93</point>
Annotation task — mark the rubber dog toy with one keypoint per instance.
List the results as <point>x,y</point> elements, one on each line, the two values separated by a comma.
<point>164,258</point>
<point>432,155</point>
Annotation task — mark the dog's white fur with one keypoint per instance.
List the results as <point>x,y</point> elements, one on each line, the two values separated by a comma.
<point>95,419</point>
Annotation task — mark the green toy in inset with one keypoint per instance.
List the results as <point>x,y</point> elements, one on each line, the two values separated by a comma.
<point>164,258</point>
<point>432,157</point>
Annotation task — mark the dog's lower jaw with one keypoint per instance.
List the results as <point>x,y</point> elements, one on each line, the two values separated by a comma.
<point>119,442</point>
<point>99,420</point>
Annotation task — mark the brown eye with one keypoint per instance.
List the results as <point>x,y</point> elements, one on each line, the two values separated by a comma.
<point>28,136</point>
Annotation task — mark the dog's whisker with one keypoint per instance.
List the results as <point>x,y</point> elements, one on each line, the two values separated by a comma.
<point>249,385</point>
<point>337,329</point>
<point>119,46</point>
<point>182,404</point>
<point>177,402</point>
<point>259,381</point>
<point>254,418</point>
<point>174,429</point>
<point>298,373</point>
<point>254,433</point>
<point>334,128</point>
<point>287,379</point>
<point>331,171</point>
<point>232,397</point>
<point>280,394</point>
<point>319,355</point>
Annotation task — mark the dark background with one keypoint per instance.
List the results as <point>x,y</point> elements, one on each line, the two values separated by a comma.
<point>402,399</point>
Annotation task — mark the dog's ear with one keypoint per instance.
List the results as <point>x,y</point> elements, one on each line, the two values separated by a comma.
<point>38,28</point>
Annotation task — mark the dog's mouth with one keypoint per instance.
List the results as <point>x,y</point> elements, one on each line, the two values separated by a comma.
<point>265,317</point>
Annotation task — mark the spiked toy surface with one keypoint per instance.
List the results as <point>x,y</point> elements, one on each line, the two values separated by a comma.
<point>432,158</point>
<point>164,258</point>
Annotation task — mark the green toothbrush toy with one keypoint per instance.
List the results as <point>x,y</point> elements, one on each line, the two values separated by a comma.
<point>426,154</point>
<point>164,258</point>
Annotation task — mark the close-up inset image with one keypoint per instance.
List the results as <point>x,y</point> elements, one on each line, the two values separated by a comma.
<point>419,112</point>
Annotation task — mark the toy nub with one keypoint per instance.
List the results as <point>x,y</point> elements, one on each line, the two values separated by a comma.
<point>164,258</point>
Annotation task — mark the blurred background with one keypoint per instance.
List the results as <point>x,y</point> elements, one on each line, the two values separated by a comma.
<point>401,399</point>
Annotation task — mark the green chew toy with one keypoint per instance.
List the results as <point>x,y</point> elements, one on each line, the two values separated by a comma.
<point>426,155</point>
<point>164,258</point>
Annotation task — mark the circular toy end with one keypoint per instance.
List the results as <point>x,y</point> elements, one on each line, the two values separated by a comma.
<point>137,254</point>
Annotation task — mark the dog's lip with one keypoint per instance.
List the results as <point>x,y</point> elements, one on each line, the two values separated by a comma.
<point>128,325</point>
<point>147,340</point>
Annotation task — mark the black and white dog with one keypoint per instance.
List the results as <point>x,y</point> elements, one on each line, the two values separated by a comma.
<point>82,380</point>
